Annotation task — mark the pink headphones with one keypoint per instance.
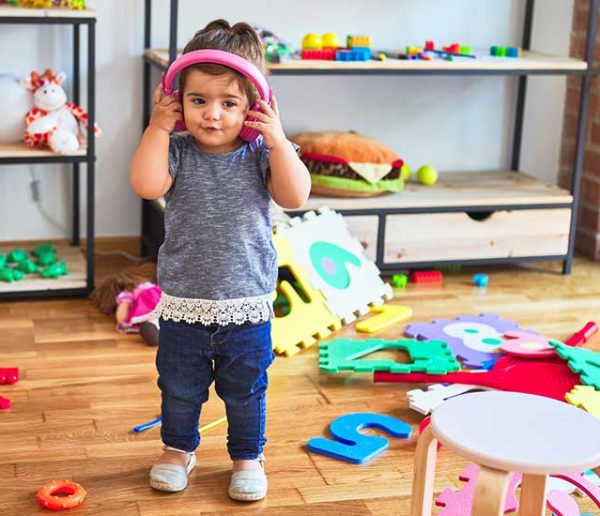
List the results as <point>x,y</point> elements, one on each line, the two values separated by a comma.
<point>233,61</point>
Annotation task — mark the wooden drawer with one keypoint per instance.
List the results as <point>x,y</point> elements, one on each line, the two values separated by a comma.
<point>364,229</point>
<point>457,236</point>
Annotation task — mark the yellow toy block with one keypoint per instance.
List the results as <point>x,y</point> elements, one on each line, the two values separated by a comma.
<point>305,319</point>
<point>386,316</point>
<point>585,397</point>
<point>358,41</point>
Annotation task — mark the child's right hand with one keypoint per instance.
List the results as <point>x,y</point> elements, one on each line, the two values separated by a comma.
<point>167,111</point>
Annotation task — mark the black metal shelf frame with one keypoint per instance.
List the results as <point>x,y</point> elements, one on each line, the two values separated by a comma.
<point>89,157</point>
<point>587,75</point>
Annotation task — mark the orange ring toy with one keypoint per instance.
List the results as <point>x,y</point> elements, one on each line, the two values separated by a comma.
<point>47,495</point>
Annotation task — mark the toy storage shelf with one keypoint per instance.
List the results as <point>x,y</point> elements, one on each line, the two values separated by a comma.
<point>19,153</point>
<point>74,281</point>
<point>485,210</point>
<point>531,63</point>
<point>80,280</point>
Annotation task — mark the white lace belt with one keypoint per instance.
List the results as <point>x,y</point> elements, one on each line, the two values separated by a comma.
<point>208,311</point>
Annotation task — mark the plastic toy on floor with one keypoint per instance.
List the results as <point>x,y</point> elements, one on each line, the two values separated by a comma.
<point>525,344</point>
<point>335,263</point>
<point>307,318</point>
<point>473,339</point>
<point>345,354</point>
<point>135,311</point>
<point>352,446</point>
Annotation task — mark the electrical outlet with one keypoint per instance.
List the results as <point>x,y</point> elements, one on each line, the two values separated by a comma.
<point>37,190</point>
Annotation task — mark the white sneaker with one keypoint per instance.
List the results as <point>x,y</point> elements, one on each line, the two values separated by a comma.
<point>249,485</point>
<point>171,477</point>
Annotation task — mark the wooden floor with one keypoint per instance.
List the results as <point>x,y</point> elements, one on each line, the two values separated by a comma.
<point>83,387</point>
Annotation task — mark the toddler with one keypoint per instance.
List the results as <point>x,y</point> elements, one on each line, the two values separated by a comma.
<point>217,267</point>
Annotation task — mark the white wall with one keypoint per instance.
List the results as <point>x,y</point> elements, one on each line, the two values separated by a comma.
<point>455,123</point>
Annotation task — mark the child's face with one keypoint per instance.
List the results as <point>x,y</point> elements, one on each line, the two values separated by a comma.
<point>214,110</point>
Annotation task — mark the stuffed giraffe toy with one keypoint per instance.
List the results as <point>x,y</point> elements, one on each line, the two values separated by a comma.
<point>53,122</point>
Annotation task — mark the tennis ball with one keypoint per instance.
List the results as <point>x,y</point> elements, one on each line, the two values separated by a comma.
<point>405,172</point>
<point>427,175</point>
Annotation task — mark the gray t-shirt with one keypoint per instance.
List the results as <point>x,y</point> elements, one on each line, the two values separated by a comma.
<point>218,240</point>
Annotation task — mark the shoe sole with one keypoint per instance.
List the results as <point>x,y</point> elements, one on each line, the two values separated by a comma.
<point>168,488</point>
<point>247,497</point>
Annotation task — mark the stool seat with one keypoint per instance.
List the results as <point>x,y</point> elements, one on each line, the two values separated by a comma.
<point>512,431</point>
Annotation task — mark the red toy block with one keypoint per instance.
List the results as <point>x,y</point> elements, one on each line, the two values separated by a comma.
<point>427,277</point>
<point>4,403</point>
<point>9,375</point>
<point>550,377</point>
<point>325,54</point>
<point>452,49</point>
<point>429,45</point>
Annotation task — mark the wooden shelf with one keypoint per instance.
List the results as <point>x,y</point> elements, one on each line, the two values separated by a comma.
<point>454,189</point>
<point>457,189</point>
<point>20,150</point>
<point>75,279</point>
<point>8,11</point>
<point>530,62</point>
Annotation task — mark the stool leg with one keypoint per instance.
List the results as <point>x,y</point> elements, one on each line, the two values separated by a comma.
<point>491,487</point>
<point>533,495</point>
<point>423,476</point>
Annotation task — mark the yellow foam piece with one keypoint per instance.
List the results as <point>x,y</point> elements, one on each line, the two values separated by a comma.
<point>585,397</point>
<point>306,321</point>
<point>386,316</point>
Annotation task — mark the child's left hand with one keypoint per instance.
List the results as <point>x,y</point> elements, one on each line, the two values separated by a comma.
<point>268,123</point>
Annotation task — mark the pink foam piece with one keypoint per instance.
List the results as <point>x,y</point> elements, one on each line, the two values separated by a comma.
<point>4,403</point>
<point>583,484</point>
<point>460,503</point>
<point>561,504</point>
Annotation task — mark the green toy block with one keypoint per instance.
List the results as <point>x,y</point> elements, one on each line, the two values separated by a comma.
<point>54,270</point>
<point>44,248</point>
<point>431,357</point>
<point>10,275</point>
<point>46,258</point>
<point>584,362</point>
<point>18,255</point>
<point>2,260</point>
<point>27,266</point>
<point>399,280</point>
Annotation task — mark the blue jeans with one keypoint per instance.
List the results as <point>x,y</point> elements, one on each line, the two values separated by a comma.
<point>190,357</point>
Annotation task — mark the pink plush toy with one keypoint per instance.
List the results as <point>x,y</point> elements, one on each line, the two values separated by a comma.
<point>53,122</point>
<point>135,311</point>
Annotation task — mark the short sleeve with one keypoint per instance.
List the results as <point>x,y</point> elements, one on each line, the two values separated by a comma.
<point>176,143</point>
<point>264,152</point>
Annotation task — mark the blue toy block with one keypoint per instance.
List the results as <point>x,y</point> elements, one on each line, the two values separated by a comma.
<point>481,280</point>
<point>354,54</point>
<point>352,446</point>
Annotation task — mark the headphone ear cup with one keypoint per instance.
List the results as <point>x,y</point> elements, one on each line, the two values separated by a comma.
<point>247,133</point>
<point>179,126</point>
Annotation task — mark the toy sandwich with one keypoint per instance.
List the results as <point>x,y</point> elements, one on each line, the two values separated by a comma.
<point>346,164</point>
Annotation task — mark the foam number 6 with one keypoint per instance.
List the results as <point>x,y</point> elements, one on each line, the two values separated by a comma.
<point>353,446</point>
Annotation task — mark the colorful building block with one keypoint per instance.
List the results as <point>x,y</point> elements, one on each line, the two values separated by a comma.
<point>427,277</point>
<point>9,375</point>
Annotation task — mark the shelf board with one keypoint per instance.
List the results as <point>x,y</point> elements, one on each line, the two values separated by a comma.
<point>531,62</point>
<point>458,189</point>
<point>23,153</point>
<point>453,190</point>
<point>8,11</point>
<point>76,279</point>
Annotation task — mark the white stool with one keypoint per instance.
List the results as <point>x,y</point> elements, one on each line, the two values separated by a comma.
<point>504,432</point>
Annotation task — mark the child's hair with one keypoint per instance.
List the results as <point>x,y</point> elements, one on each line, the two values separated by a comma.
<point>240,39</point>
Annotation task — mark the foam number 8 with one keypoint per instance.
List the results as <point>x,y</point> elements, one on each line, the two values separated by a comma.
<point>353,446</point>
<point>478,336</point>
<point>330,260</point>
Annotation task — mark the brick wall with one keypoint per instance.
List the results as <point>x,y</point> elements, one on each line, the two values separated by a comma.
<point>588,222</point>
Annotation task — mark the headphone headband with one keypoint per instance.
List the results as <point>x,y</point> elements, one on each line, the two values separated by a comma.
<point>228,59</point>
